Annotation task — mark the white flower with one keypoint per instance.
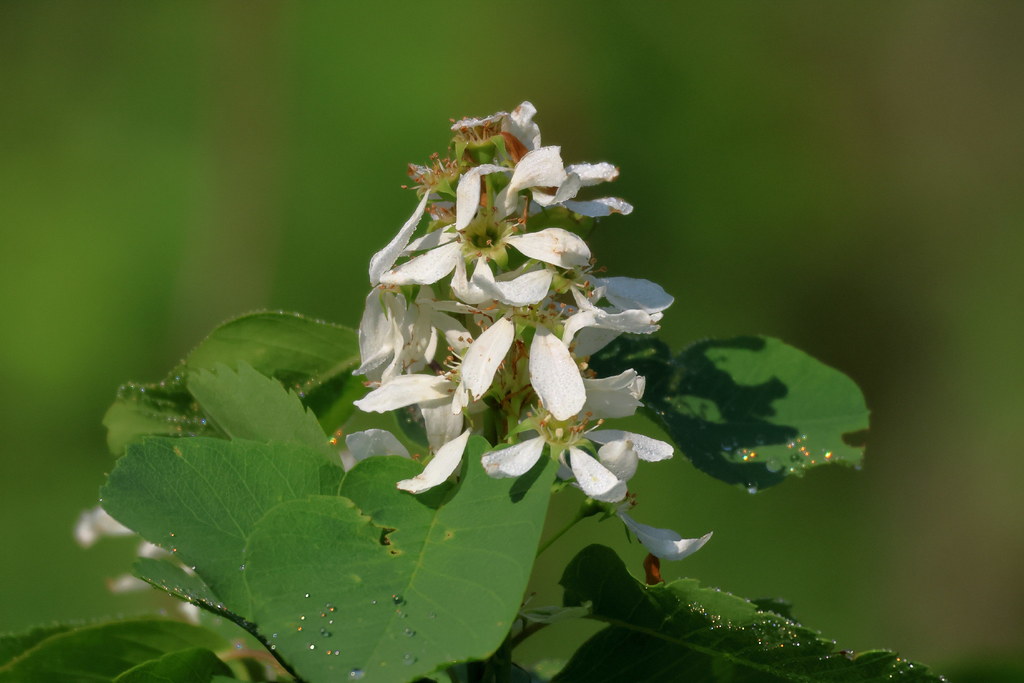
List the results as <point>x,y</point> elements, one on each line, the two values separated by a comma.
<point>596,480</point>
<point>555,376</point>
<point>647,449</point>
<point>441,466</point>
<point>617,396</point>
<point>633,293</point>
<point>362,445</point>
<point>663,543</point>
<point>634,320</point>
<point>515,460</point>
<point>382,261</point>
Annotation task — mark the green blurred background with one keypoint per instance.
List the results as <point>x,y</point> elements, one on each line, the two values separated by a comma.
<point>847,177</point>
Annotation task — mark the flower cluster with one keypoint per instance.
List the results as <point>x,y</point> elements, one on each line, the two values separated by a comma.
<point>485,308</point>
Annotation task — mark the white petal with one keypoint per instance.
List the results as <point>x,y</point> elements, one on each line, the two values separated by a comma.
<point>374,334</point>
<point>567,190</point>
<point>382,261</point>
<point>599,208</point>
<point>555,376</point>
<point>616,396</point>
<point>520,124</point>
<point>372,442</point>
<point>553,245</point>
<point>468,193</point>
<point>590,340</point>
<point>404,390</point>
<point>95,523</point>
<point>427,268</point>
<point>515,460</point>
<point>538,168</point>
<point>595,479</point>
<point>633,320</point>
<point>522,290</point>
<point>630,292</point>
<point>620,458</point>
<point>441,466</point>
<point>484,355</point>
<point>470,122</point>
<point>432,240</point>
<point>467,291</point>
<point>592,174</point>
<point>664,543</point>
<point>647,448</point>
<point>441,423</point>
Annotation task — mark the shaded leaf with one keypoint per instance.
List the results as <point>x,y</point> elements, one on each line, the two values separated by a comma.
<point>681,631</point>
<point>749,410</point>
<point>397,584</point>
<point>200,498</point>
<point>104,651</point>
<point>194,665</point>
<point>311,357</point>
<point>247,405</point>
<point>13,644</point>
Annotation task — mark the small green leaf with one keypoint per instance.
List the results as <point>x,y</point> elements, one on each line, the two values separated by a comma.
<point>247,405</point>
<point>194,665</point>
<point>391,584</point>
<point>312,357</point>
<point>104,651</point>
<point>749,410</point>
<point>681,632</point>
<point>200,498</point>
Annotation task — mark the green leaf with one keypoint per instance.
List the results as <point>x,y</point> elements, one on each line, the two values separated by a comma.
<point>314,358</point>
<point>749,410</point>
<point>13,644</point>
<point>391,584</point>
<point>683,632</point>
<point>103,652</point>
<point>194,665</point>
<point>200,498</point>
<point>248,405</point>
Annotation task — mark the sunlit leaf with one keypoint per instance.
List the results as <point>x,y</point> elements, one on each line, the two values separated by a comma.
<point>200,498</point>
<point>394,585</point>
<point>749,410</point>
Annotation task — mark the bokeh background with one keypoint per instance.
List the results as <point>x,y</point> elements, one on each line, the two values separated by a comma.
<point>844,176</point>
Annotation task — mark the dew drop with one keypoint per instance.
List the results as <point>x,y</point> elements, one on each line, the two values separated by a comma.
<point>373,602</point>
<point>397,599</point>
<point>307,595</point>
<point>409,659</point>
<point>325,633</point>
<point>408,632</point>
<point>241,567</point>
<point>751,489</point>
<point>356,674</point>
<point>312,646</point>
